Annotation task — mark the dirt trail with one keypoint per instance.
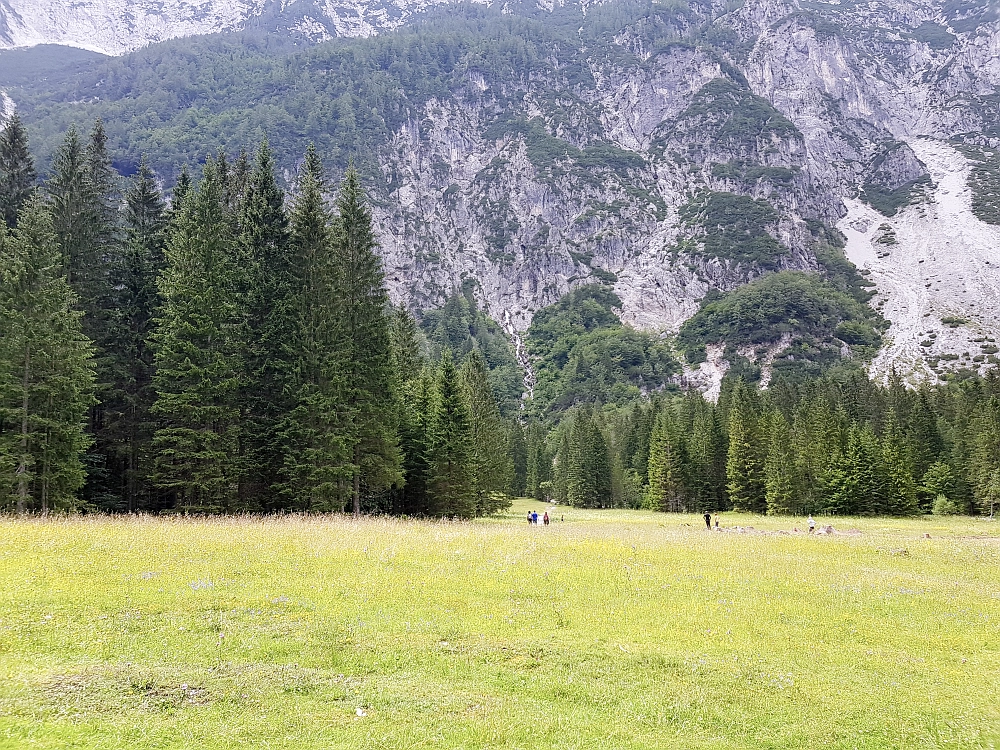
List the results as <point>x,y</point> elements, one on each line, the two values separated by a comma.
<point>944,263</point>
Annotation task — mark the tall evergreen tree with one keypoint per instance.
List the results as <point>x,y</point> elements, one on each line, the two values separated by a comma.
<point>368,398</point>
<point>134,303</point>
<point>315,454</point>
<point>78,215</point>
<point>588,470</point>
<point>745,461</point>
<point>197,362</point>
<point>267,325</point>
<point>539,471</point>
<point>816,441</point>
<point>407,359</point>
<point>900,488</point>
<point>416,440</point>
<point>779,466</point>
<point>17,170</point>
<point>451,485</point>
<point>517,447</point>
<point>46,370</point>
<point>665,490</point>
<point>491,465</point>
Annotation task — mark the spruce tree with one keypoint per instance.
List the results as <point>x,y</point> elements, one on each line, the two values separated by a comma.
<point>539,463</point>
<point>368,398</point>
<point>17,170</point>
<point>316,457</point>
<point>588,470</point>
<point>816,441</point>
<point>134,303</point>
<point>665,491</point>
<point>745,460</point>
<point>267,325</point>
<point>450,481</point>
<point>181,189</point>
<point>46,370</point>
<point>78,214</point>
<point>408,361</point>
<point>490,464</point>
<point>416,441</point>
<point>779,467</point>
<point>197,362</point>
<point>901,497</point>
<point>517,448</point>
<point>561,466</point>
<point>985,455</point>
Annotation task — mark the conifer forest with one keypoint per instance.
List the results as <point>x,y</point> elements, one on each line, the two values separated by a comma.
<point>223,345</point>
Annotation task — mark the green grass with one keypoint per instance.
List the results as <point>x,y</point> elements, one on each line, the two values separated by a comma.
<point>615,629</point>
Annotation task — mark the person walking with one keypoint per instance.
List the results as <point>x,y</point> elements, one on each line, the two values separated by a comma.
<point>716,521</point>
<point>708,520</point>
<point>812,524</point>
<point>545,518</point>
<point>529,517</point>
<point>534,517</point>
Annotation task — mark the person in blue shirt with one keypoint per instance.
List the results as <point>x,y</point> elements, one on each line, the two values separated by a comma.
<point>534,518</point>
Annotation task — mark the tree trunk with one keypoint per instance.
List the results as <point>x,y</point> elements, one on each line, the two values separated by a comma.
<point>22,469</point>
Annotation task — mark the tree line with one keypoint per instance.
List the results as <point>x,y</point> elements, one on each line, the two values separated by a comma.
<point>221,351</point>
<point>840,444</point>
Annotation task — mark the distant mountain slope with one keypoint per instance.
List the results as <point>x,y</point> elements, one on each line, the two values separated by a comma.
<point>668,150</point>
<point>115,27</point>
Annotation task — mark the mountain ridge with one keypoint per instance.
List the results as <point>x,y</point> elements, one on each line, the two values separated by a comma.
<point>666,150</point>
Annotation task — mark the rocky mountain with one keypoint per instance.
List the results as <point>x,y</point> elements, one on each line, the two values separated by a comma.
<point>671,150</point>
<point>115,27</point>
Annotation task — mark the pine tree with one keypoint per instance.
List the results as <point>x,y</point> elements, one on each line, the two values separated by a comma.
<point>923,440</point>
<point>46,370</point>
<point>368,398</point>
<point>314,451</point>
<point>816,442</point>
<point>708,450</point>
<point>451,485</point>
<point>134,303</point>
<point>779,467</point>
<point>491,466</point>
<point>853,480</point>
<point>408,362</point>
<point>416,442</point>
<point>745,461</point>
<point>517,448</point>
<point>179,193</point>
<point>588,469</point>
<point>78,218</point>
<point>900,488</point>
<point>985,459</point>
<point>17,170</point>
<point>267,325</point>
<point>539,471</point>
<point>665,491</point>
<point>197,364</point>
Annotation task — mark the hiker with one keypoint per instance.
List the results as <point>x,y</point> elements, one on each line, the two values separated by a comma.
<point>812,524</point>
<point>529,516</point>
<point>716,521</point>
<point>534,517</point>
<point>545,519</point>
<point>708,520</point>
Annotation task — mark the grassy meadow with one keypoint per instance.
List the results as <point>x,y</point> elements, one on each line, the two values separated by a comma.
<point>613,629</point>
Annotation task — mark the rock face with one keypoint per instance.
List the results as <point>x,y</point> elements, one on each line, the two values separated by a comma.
<point>114,27</point>
<point>721,147</point>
